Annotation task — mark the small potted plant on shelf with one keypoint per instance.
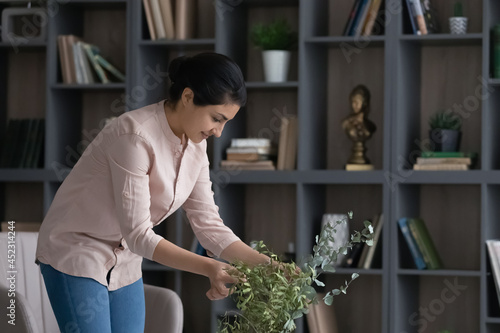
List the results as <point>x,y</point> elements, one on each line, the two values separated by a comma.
<point>458,22</point>
<point>276,40</point>
<point>270,297</point>
<point>445,130</point>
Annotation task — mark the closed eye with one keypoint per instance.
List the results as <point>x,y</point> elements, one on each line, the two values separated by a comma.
<point>216,120</point>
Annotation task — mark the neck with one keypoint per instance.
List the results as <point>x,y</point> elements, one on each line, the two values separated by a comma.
<point>172,113</point>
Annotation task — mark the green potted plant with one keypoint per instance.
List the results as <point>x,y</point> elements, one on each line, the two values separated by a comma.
<point>445,130</point>
<point>458,22</point>
<point>271,297</point>
<point>276,40</point>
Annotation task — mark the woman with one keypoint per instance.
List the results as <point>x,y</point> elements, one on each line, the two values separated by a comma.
<point>141,168</point>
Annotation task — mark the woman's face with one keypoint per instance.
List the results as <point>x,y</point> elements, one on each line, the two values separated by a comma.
<point>200,122</point>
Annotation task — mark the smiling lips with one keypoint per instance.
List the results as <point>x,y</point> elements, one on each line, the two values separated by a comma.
<point>205,136</point>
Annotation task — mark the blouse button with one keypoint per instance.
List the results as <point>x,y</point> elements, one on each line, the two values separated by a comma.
<point>126,194</point>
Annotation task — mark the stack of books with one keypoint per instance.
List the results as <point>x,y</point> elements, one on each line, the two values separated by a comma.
<point>250,154</point>
<point>164,24</point>
<point>430,160</point>
<point>82,62</point>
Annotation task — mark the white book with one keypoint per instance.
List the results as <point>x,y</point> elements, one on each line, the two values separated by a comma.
<point>84,63</point>
<point>494,252</point>
<point>250,142</point>
<point>157,19</point>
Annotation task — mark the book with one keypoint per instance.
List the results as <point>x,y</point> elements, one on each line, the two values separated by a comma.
<point>149,19</point>
<point>253,165</point>
<point>110,68</point>
<point>418,258</point>
<point>360,24</point>
<point>418,15</point>
<point>67,58</point>
<point>321,317</point>
<point>441,166</point>
<point>10,143</point>
<point>372,17</point>
<point>425,244</point>
<point>157,19</point>
<point>37,160</point>
<point>82,65</point>
<point>342,235</point>
<point>280,164</point>
<point>168,18</point>
<point>352,15</point>
<point>250,142</point>
<point>496,51</point>
<point>270,150</point>
<point>443,154</point>
<point>378,222</point>
<point>91,51</point>
<point>410,17</point>
<point>358,17</point>
<point>27,161</point>
<point>493,246</point>
<point>444,160</point>
<point>185,19</point>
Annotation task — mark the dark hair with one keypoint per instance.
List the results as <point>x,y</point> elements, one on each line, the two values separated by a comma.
<point>214,78</point>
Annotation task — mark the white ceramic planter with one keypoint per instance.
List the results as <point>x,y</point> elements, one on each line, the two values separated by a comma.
<point>458,25</point>
<point>276,64</point>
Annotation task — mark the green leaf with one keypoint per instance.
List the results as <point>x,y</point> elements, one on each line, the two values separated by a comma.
<point>328,300</point>
<point>354,276</point>
<point>319,283</point>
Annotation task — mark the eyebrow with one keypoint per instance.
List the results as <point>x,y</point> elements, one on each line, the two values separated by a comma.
<point>223,116</point>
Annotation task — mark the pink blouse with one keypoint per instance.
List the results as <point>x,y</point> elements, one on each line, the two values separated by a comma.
<point>130,178</point>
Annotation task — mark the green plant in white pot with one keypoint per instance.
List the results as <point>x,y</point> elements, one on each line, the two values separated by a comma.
<point>445,130</point>
<point>458,22</point>
<point>276,40</point>
<point>271,297</point>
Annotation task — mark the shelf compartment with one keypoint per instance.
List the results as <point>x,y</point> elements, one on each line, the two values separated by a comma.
<point>439,272</point>
<point>15,197</point>
<point>435,303</point>
<point>103,24</point>
<point>457,249</point>
<point>204,30</point>
<point>260,212</point>
<point>363,300</point>
<point>443,11</point>
<point>427,70</point>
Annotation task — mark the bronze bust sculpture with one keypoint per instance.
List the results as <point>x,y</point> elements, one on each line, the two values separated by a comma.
<point>357,125</point>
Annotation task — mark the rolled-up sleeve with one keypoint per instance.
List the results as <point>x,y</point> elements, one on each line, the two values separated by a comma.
<point>203,215</point>
<point>130,158</point>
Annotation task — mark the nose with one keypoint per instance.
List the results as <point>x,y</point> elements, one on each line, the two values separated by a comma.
<point>217,131</point>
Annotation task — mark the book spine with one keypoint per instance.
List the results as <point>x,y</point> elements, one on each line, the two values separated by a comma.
<point>358,29</point>
<point>425,243</point>
<point>89,50</point>
<point>419,16</point>
<point>372,16</point>
<point>496,52</point>
<point>412,245</point>
<point>185,19</point>
<point>352,15</point>
<point>157,19</point>
<point>104,63</point>
<point>168,18</point>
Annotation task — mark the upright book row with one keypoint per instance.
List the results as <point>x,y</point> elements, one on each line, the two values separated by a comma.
<point>164,24</point>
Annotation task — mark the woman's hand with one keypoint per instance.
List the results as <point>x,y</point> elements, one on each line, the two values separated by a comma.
<point>219,276</point>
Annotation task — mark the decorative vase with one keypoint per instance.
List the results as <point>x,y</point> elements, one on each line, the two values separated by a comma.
<point>445,140</point>
<point>276,64</point>
<point>458,25</point>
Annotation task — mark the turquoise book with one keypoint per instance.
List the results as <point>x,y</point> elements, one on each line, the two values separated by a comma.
<point>418,258</point>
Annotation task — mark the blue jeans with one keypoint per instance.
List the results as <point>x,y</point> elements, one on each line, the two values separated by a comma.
<point>83,305</point>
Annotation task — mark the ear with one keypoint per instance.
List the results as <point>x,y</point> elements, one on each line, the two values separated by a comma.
<point>187,96</point>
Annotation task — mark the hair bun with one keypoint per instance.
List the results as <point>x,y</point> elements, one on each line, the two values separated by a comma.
<point>175,67</point>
